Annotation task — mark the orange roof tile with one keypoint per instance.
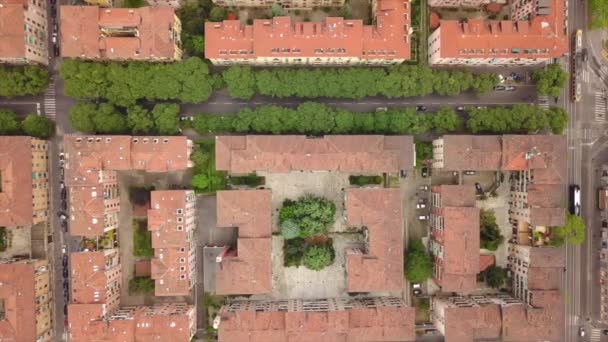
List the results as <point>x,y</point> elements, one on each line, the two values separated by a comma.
<point>163,217</point>
<point>82,32</point>
<point>16,206</point>
<point>470,152</point>
<point>456,195</point>
<point>335,37</point>
<point>248,210</point>
<point>88,277</point>
<point>485,261</point>
<point>88,211</point>
<point>161,153</point>
<point>543,321</point>
<point>476,38</point>
<point>18,293</point>
<point>465,324</point>
<point>12,34</point>
<point>381,267</point>
<point>542,153</point>
<point>369,153</point>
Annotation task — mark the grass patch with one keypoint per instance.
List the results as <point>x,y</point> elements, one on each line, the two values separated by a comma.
<point>251,180</point>
<point>141,285</point>
<point>206,178</point>
<point>365,180</point>
<point>3,242</point>
<point>142,239</point>
<point>423,314</point>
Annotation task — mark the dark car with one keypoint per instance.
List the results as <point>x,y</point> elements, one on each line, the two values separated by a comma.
<point>56,53</point>
<point>53,11</point>
<point>64,193</point>
<point>425,172</point>
<point>604,224</point>
<point>64,226</point>
<point>66,296</point>
<point>65,309</point>
<point>420,108</point>
<point>66,284</point>
<point>605,332</point>
<point>478,189</point>
<point>65,260</point>
<point>403,173</point>
<point>65,272</point>
<point>64,204</point>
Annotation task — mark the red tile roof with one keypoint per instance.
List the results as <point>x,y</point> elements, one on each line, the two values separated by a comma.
<point>166,272</point>
<point>369,153</point>
<point>161,154</point>
<point>335,37</point>
<point>543,321</point>
<point>18,293</point>
<point>465,324</point>
<point>81,32</point>
<point>16,205</point>
<point>456,195</point>
<point>88,210</point>
<point>485,261</point>
<point>249,271</point>
<point>542,153</point>
<point>344,320</point>
<point>89,278</point>
<point>471,152</point>
<point>12,34</point>
<point>475,38</point>
<point>162,218</point>
<point>460,248</point>
<point>381,267</point>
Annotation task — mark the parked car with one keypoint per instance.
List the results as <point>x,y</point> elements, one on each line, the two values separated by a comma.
<point>478,189</point>
<point>65,309</point>
<point>54,38</point>
<point>481,107</point>
<point>417,289</point>
<point>581,331</point>
<point>66,296</point>
<point>64,248</point>
<point>605,332</point>
<point>510,88</point>
<point>420,205</point>
<point>421,108</point>
<point>403,173</point>
<point>65,272</point>
<point>64,204</point>
<point>64,194</point>
<point>64,226</point>
<point>61,185</point>
<point>64,261</point>
<point>424,188</point>
<point>423,217</point>
<point>381,109</point>
<point>460,108</point>
<point>470,173</point>
<point>425,172</point>
<point>62,215</point>
<point>604,224</point>
<point>55,27</point>
<point>56,50</point>
<point>499,88</point>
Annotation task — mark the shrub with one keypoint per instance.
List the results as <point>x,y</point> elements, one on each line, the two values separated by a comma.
<point>313,215</point>
<point>293,251</point>
<point>290,229</point>
<point>317,257</point>
<point>489,231</point>
<point>365,180</point>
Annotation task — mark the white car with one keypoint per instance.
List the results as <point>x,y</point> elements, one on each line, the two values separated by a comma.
<point>420,206</point>
<point>423,217</point>
<point>581,332</point>
<point>64,249</point>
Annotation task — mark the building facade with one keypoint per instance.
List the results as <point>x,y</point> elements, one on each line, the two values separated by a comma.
<point>24,32</point>
<point>336,41</point>
<point>172,222</point>
<point>145,33</point>
<point>534,35</point>
<point>26,301</point>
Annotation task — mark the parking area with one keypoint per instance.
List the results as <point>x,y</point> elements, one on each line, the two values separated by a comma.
<point>416,191</point>
<point>294,185</point>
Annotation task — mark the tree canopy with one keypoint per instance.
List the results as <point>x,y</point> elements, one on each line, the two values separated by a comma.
<point>317,257</point>
<point>23,80</point>
<point>313,215</point>
<point>573,232</point>
<point>354,82</point>
<point>126,82</point>
<point>489,231</point>
<point>9,122</point>
<point>38,126</point>
<point>495,276</point>
<point>418,263</point>
<point>598,10</point>
<point>519,118</point>
<point>550,80</point>
<point>316,118</point>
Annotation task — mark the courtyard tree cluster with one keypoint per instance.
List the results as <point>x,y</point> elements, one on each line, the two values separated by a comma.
<point>124,83</point>
<point>23,80</point>
<point>550,80</point>
<point>307,217</point>
<point>519,118</point>
<point>33,125</point>
<point>355,82</point>
<point>317,118</point>
<point>206,179</point>
<point>489,231</point>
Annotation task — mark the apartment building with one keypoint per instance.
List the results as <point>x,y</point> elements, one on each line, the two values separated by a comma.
<point>535,34</point>
<point>26,301</point>
<point>96,278</point>
<point>534,269</point>
<point>291,4</point>
<point>145,33</point>
<point>336,41</point>
<point>455,238</point>
<point>467,152</point>
<point>334,319</point>
<point>24,32</point>
<point>172,221</point>
<point>24,188</point>
<point>379,213</point>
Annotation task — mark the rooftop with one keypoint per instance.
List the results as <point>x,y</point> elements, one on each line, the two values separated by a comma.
<point>471,152</point>
<point>544,154</point>
<point>88,276</point>
<point>16,205</point>
<point>88,210</point>
<point>380,266</point>
<point>335,37</point>
<point>249,270</point>
<point>465,324</point>
<point>540,37</point>
<point>12,34</point>
<point>456,195</point>
<point>369,153</point>
<point>543,321</point>
<point>117,33</point>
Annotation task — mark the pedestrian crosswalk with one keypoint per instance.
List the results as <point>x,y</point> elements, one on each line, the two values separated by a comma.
<point>543,101</point>
<point>600,105</point>
<point>595,335</point>
<point>49,101</point>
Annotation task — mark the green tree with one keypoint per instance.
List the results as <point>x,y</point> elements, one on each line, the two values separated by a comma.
<point>217,14</point>
<point>346,12</point>
<point>141,285</point>
<point>489,231</point>
<point>445,120</point>
<point>424,151</point>
<point>558,120</point>
<point>290,229</point>
<point>108,120</point>
<point>318,257</point>
<point>23,80</point>
<point>573,232</point>
<point>551,80</point>
<point>484,82</point>
<point>165,118</point>
<point>418,263</point>
<point>139,120</point>
<point>495,276</point>
<point>313,215</point>
<point>240,82</point>
<point>81,117</point>
<point>598,10</point>
<point>9,122</point>
<point>194,45</point>
<point>133,3</point>
<point>200,181</point>
<point>276,10</point>
<point>38,126</point>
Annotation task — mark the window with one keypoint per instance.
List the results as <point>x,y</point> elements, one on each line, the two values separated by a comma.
<point>182,276</point>
<point>180,211</point>
<point>180,219</point>
<point>180,228</point>
<point>182,268</point>
<point>182,260</point>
